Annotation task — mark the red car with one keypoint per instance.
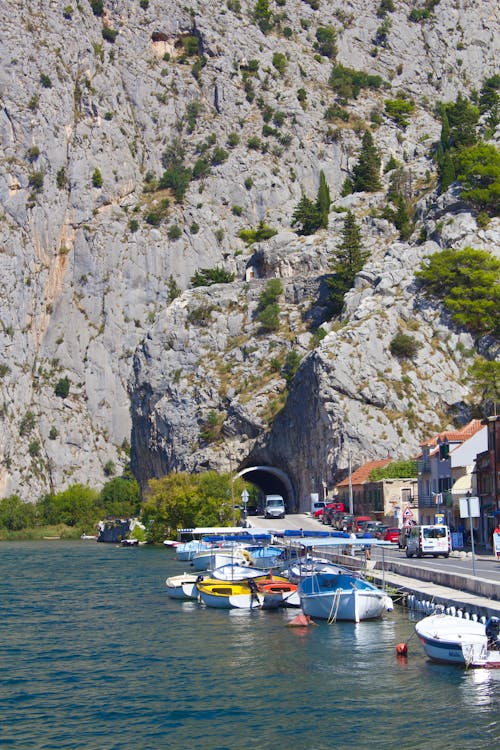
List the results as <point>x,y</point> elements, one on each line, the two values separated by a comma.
<point>391,534</point>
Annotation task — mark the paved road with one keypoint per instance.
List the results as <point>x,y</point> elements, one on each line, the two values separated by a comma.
<point>485,566</point>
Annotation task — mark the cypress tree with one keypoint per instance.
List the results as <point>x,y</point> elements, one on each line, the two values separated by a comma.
<point>446,171</point>
<point>366,173</point>
<point>323,200</point>
<point>445,130</point>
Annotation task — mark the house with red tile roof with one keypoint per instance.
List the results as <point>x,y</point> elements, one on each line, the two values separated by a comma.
<point>384,499</point>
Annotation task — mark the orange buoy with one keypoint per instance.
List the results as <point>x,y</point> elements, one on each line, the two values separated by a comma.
<point>300,621</point>
<point>402,649</point>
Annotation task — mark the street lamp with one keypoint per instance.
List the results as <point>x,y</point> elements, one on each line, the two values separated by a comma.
<point>351,503</point>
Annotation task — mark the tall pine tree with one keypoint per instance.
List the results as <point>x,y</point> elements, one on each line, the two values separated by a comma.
<point>306,216</point>
<point>346,263</point>
<point>366,173</point>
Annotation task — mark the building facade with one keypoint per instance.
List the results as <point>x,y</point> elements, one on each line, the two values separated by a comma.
<point>488,479</point>
<point>446,472</point>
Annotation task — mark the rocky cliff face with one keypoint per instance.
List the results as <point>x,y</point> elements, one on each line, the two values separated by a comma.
<point>94,251</point>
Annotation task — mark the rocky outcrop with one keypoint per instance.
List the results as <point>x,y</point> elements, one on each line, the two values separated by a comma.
<point>94,254</point>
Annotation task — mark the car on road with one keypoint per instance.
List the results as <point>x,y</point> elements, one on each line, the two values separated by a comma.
<point>318,508</point>
<point>333,513</point>
<point>274,507</point>
<point>342,521</point>
<point>329,508</point>
<point>391,534</point>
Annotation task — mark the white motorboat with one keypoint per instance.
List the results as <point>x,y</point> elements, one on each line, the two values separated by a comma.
<point>236,572</point>
<point>210,559</point>
<point>454,640</point>
<point>187,550</point>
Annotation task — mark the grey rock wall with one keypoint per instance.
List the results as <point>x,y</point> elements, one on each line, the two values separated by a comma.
<point>84,296</point>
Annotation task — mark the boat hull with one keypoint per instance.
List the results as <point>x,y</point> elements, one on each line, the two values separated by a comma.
<point>342,597</point>
<point>240,594</point>
<point>182,586</point>
<point>352,606</point>
<point>452,640</point>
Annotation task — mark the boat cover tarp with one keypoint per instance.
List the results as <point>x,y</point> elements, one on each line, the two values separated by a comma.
<point>245,537</point>
<point>342,542</point>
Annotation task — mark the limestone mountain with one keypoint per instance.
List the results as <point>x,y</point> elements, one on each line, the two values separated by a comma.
<point>143,143</point>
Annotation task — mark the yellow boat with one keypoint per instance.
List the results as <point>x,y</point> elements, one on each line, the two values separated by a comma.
<point>233,594</point>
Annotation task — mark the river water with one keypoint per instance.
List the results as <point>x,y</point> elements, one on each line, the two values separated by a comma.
<point>95,655</point>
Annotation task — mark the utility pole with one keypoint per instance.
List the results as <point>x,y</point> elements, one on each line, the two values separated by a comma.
<point>232,489</point>
<point>351,504</point>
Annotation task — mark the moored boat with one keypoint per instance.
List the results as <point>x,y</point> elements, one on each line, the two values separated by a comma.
<point>215,557</point>
<point>227,594</point>
<point>187,550</point>
<point>182,586</point>
<point>235,594</point>
<point>454,640</point>
<point>232,571</point>
<point>342,596</point>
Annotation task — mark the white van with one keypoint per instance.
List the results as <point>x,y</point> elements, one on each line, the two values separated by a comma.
<point>274,507</point>
<point>428,540</point>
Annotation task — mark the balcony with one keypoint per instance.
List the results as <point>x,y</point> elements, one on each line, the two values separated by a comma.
<point>427,501</point>
<point>424,466</point>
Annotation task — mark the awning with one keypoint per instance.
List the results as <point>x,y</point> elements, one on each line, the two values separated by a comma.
<point>462,485</point>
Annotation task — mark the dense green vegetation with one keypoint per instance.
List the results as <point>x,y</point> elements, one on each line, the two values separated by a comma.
<point>468,283</point>
<point>460,155</point>
<point>395,470</point>
<point>183,500</point>
<point>347,83</point>
<point>485,376</point>
<point>209,276</point>
<point>262,232</point>
<point>78,507</point>
<point>267,313</point>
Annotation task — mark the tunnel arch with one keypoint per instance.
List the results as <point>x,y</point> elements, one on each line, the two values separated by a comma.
<point>271,481</point>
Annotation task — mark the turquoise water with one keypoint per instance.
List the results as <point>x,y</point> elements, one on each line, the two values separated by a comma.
<point>95,655</point>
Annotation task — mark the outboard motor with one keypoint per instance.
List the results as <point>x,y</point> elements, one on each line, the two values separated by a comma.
<point>492,629</point>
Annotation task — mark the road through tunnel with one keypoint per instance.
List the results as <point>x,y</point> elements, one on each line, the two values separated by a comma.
<point>271,481</point>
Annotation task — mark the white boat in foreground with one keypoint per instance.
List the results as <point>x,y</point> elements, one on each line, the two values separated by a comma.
<point>453,640</point>
<point>342,596</point>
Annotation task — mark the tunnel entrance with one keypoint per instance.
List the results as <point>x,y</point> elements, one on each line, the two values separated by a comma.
<point>271,481</point>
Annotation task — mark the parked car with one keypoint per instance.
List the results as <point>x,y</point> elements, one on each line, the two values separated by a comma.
<point>330,510</point>
<point>361,522</point>
<point>343,521</point>
<point>433,539</point>
<point>377,528</point>
<point>317,508</point>
<point>391,534</point>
